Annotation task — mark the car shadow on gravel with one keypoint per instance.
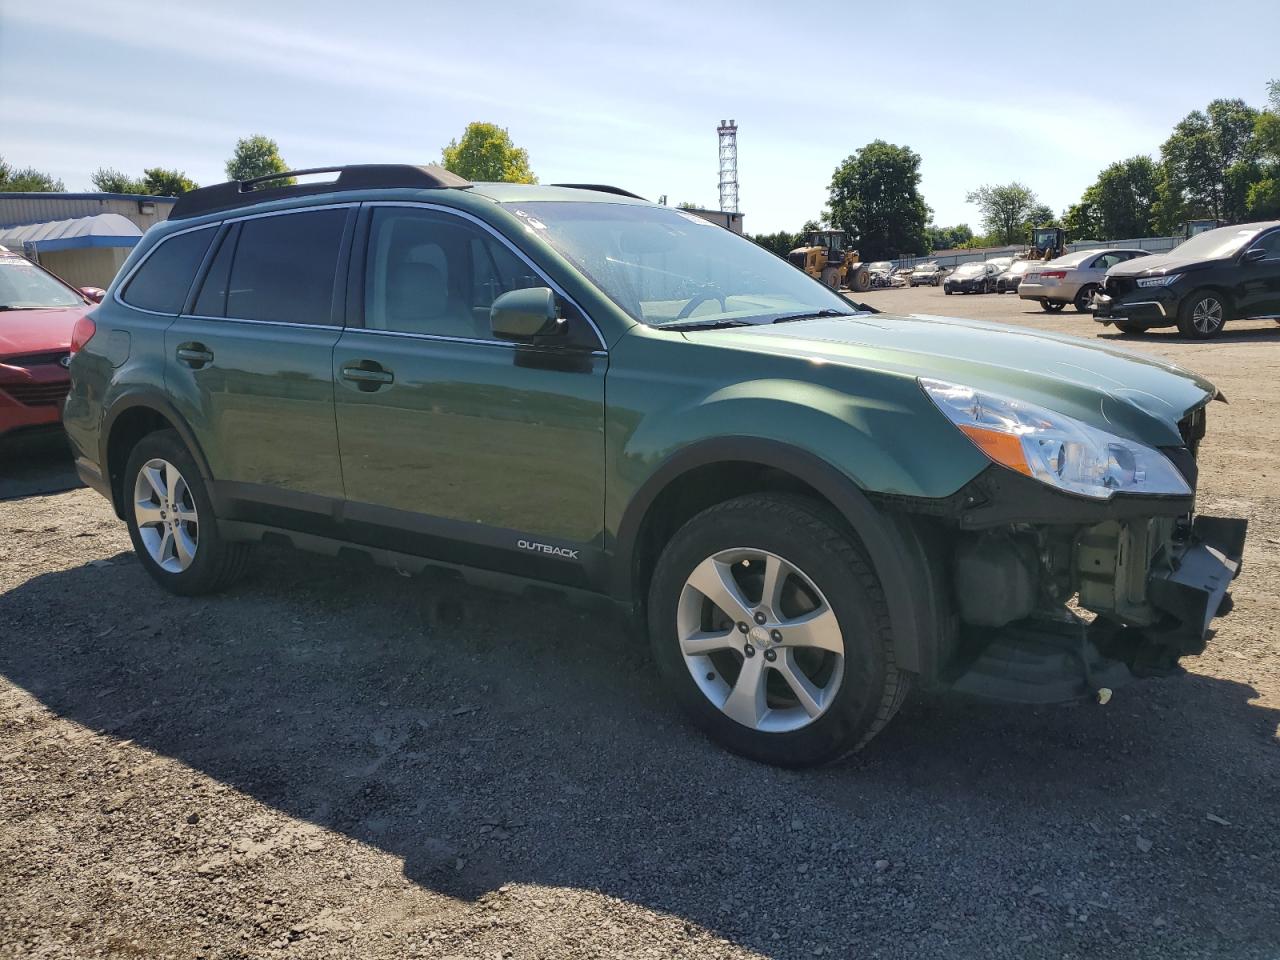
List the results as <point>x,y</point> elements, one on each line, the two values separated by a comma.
<point>488,739</point>
<point>1231,334</point>
<point>36,464</point>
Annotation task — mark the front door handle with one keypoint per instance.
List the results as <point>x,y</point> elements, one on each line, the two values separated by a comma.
<point>368,375</point>
<point>194,355</point>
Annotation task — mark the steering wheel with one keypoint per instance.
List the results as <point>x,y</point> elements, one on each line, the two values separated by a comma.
<point>699,298</point>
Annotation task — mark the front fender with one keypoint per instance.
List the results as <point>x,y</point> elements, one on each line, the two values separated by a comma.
<point>891,442</point>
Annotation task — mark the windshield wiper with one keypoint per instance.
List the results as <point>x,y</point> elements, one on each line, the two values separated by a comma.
<point>704,324</point>
<point>812,315</point>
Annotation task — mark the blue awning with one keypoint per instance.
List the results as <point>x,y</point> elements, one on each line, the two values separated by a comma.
<point>100,230</point>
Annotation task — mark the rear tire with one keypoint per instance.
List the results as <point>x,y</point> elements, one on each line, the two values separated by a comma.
<point>734,663</point>
<point>171,520</point>
<point>1084,296</point>
<point>1203,314</point>
<point>1052,306</point>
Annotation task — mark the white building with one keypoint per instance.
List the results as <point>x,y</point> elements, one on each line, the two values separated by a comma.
<point>82,237</point>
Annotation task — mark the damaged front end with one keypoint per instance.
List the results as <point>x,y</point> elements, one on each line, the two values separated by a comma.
<point>1057,597</point>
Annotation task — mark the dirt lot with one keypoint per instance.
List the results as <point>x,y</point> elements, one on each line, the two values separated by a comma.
<point>333,761</point>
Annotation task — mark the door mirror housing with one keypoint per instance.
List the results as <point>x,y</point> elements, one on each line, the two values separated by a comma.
<point>1254,254</point>
<point>531,315</point>
<point>93,294</point>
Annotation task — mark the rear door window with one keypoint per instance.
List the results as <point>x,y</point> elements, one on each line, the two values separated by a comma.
<point>283,268</point>
<point>163,281</point>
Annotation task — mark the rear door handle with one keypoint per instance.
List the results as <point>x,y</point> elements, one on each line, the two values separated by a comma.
<point>369,376</point>
<point>194,355</point>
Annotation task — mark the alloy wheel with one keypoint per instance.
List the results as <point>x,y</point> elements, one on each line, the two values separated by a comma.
<point>165,513</point>
<point>1207,315</point>
<point>760,640</point>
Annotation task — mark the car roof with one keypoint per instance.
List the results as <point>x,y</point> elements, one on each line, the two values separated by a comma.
<point>564,193</point>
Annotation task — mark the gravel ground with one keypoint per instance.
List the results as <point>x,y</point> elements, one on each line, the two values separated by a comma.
<point>337,761</point>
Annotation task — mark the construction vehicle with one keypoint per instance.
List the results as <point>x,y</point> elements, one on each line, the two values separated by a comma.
<point>1191,227</point>
<point>825,257</point>
<point>1047,243</point>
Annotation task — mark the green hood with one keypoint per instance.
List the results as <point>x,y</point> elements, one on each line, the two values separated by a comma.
<point>1126,393</point>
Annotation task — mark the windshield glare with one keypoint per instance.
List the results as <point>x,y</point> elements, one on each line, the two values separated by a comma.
<point>1215,244</point>
<point>24,286</point>
<point>970,269</point>
<point>663,266</point>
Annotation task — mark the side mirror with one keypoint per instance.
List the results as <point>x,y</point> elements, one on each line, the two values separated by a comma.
<point>94,294</point>
<point>526,316</point>
<point>1254,254</point>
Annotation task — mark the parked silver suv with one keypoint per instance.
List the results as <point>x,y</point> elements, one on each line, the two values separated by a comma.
<point>1073,278</point>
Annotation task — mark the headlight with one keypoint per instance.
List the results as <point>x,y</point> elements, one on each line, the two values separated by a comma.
<point>1054,449</point>
<point>1159,281</point>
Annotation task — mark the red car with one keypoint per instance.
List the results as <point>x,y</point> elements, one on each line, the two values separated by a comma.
<point>38,315</point>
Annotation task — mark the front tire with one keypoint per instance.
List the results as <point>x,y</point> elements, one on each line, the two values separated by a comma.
<point>1131,328</point>
<point>770,628</point>
<point>171,520</point>
<point>1203,315</point>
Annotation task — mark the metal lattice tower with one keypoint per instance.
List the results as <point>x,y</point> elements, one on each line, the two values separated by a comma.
<point>728,166</point>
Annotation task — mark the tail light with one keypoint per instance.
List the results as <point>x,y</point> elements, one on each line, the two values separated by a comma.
<point>1055,274</point>
<point>82,333</point>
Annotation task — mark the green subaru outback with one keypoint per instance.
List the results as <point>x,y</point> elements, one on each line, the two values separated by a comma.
<point>808,505</point>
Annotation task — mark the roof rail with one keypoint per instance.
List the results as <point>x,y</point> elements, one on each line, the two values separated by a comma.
<point>360,176</point>
<point>599,188</point>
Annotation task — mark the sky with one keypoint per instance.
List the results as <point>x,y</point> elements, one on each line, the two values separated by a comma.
<point>629,93</point>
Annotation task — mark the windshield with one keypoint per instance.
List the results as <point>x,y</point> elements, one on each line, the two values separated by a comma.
<point>24,286</point>
<point>1215,244</point>
<point>926,268</point>
<point>663,266</point>
<point>1019,267</point>
<point>970,270</point>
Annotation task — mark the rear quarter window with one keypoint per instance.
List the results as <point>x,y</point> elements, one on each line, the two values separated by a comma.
<point>163,281</point>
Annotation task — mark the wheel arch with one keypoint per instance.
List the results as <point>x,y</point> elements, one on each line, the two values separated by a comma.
<point>712,471</point>
<point>129,419</point>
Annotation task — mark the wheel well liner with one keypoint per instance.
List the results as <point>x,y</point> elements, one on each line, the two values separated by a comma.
<point>748,464</point>
<point>130,419</point>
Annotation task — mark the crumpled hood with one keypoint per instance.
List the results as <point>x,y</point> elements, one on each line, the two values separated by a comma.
<point>37,331</point>
<point>1109,387</point>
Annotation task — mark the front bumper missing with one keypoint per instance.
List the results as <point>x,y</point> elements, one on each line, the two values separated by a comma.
<point>1052,657</point>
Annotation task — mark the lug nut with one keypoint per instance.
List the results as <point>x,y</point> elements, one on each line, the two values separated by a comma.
<point>742,628</point>
<point>749,650</point>
<point>771,655</point>
<point>760,617</point>
<point>776,636</point>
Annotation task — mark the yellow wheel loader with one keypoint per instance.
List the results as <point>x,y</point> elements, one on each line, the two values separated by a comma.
<point>825,257</point>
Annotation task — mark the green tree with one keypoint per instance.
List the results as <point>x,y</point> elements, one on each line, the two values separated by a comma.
<point>1081,219</point>
<point>1264,195</point>
<point>948,238</point>
<point>1005,209</point>
<point>781,243</point>
<point>110,180</point>
<point>256,156</point>
<point>27,180</point>
<point>1121,201</point>
<point>158,182</point>
<point>1040,215</point>
<point>486,152</point>
<point>1208,164</point>
<point>875,199</point>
